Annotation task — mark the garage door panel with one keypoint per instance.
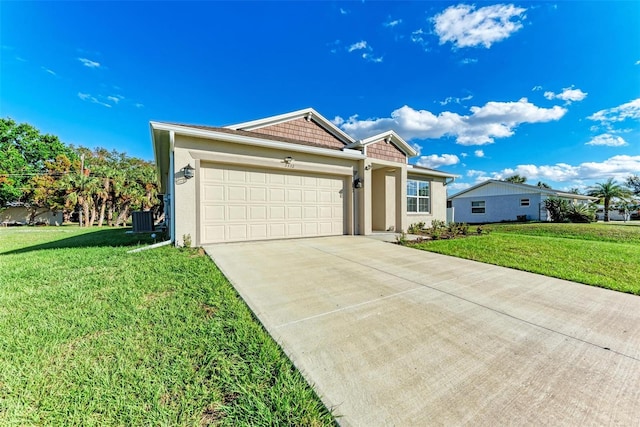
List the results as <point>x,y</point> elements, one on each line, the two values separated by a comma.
<point>236,176</point>
<point>214,213</point>
<point>276,194</point>
<point>237,231</point>
<point>236,193</point>
<point>294,229</point>
<point>277,230</point>
<point>257,194</point>
<point>276,212</point>
<point>253,204</point>
<point>237,213</point>
<point>294,212</point>
<point>294,195</point>
<point>258,213</point>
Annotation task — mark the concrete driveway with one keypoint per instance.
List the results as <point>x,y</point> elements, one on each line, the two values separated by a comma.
<point>390,335</point>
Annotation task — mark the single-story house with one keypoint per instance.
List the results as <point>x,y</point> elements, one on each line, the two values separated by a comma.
<point>291,175</point>
<point>496,201</point>
<point>18,214</point>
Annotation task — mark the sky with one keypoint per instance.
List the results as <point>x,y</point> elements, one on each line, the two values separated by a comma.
<point>483,90</point>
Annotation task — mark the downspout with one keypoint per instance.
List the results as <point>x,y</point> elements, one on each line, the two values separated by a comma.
<point>172,184</point>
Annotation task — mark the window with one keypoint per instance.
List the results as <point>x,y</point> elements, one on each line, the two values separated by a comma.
<point>418,198</point>
<point>524,202</point>
<point>477,207</point>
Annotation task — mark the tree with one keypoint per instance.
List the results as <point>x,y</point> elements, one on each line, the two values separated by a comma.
<point>633,182</point>
<point>543,184</point>
<point>25,157</point>
<point>606,191</point>
<point>517,179</point>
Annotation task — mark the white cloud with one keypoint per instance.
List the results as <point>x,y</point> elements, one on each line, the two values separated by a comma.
<point>464,26</point>
<point>467,61</point>
<point>115,98</point>
<point>637,62</point>
<point>568,94</point>
<point>47,70</point>
<point>391,24</point>
<point>463,155</point>
<point>536,88</point>
<point>89,63</point>
<point>608,140</point>
<point>478,153</point>
<point>343,11</point>
<point>630,110</point>
<point>617,167</point>
<point>434,161</point>
<point>417,37</point>
<point>451,99</point>
<point>358,46</point>
<point>458,186</point>
<point>138,105</point>
<point>482,126</point>
<point>369,57</point>
<point>89,98</point>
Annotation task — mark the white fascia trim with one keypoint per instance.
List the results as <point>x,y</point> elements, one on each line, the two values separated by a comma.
<point>274,120</point>
<point>395,138</point>
<point>412,170</point>
<point>259,142</point>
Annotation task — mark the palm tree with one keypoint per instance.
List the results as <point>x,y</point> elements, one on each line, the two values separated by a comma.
<point>607,191</point>
<point>517,179</point>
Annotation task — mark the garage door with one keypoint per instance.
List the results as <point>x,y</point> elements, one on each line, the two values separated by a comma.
<point>256,204</point>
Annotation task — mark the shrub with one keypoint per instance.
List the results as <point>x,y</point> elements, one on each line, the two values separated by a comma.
<point>558,209</point>
<point>416,228</point>
<point>581,213</point>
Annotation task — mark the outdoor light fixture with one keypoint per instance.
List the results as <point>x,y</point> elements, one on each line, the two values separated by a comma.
<point>357,183</point>
<point>368,167</point>
<point>188,171</point>
<point>288,160</point>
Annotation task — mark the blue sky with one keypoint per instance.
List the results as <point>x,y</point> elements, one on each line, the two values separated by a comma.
<point>549,90</point>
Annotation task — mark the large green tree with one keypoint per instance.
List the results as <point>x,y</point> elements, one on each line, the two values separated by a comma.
<point>26,154</point>
<point>606,192</point>
<point>633,182</point>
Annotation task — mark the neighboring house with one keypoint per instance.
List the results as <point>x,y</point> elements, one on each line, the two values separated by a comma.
<point>496,201</point>
<point>292,175</point>
<point>17,214</point>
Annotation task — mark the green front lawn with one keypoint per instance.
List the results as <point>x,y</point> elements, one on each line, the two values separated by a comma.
<point>93,335</point>
<point>604,255</point>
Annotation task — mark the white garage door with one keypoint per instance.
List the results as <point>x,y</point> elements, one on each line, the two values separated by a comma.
<point>256,204</point>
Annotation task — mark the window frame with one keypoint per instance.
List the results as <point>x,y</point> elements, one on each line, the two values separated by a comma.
<point>523,201</point>
<point>477,207</point>
<point>419,197</point>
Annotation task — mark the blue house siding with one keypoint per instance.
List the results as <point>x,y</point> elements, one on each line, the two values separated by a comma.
<point>498,208</point>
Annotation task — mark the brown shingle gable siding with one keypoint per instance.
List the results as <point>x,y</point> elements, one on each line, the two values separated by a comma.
<point>302,130</point>
<point>383,151</point>
<point>255,134</point>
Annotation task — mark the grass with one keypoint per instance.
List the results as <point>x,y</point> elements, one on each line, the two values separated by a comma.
<point>93,335</point>
<point>603,255</point>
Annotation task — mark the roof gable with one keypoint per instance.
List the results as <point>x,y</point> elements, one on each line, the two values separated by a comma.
<point>389,137</point>
<point>494,187</point>
<point>277,126</point>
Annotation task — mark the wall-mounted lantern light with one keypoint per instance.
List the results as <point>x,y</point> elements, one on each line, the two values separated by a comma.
<point>188,171</point>
<point>367,167</point>
<point>288,160</point>
<point>357,183</point>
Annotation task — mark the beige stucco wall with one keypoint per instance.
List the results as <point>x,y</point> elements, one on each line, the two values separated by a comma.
<point>195,151</point>
<point>438,202</point>
<point>21,215</point>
